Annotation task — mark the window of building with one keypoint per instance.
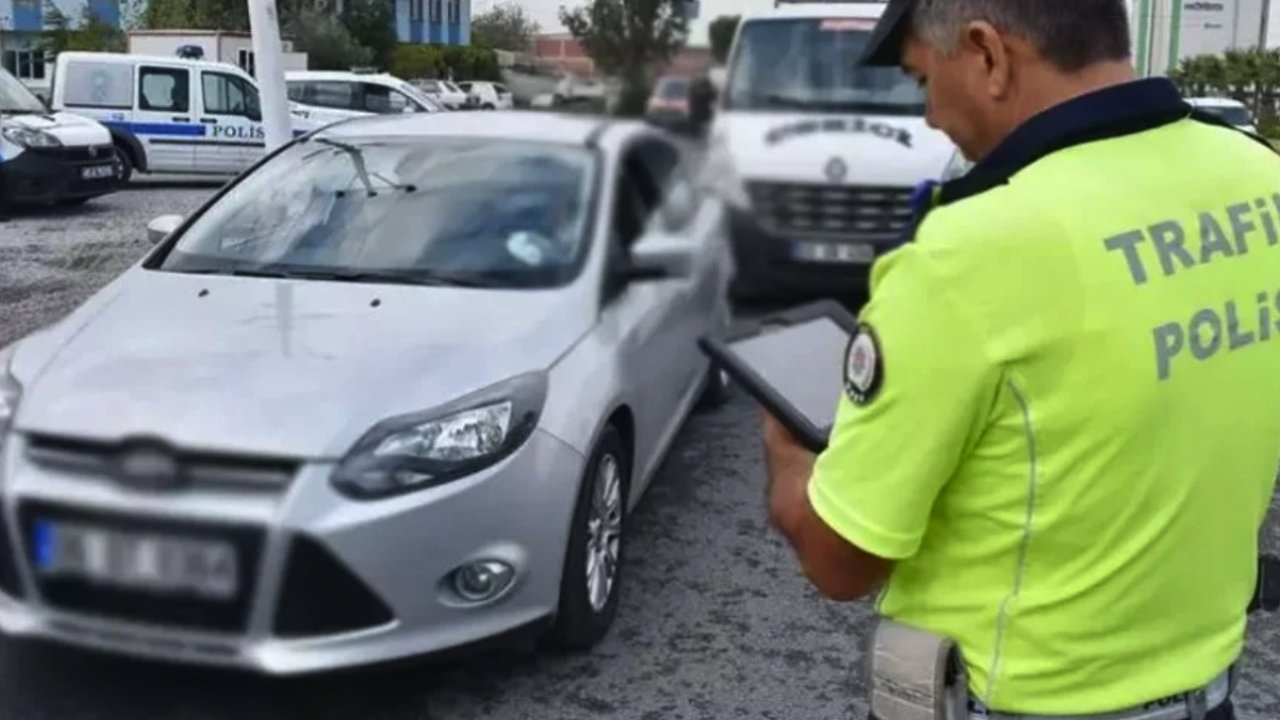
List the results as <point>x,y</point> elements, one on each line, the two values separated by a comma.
<point>415,9</point>
<point>245,60</point>
<point>25,64</point>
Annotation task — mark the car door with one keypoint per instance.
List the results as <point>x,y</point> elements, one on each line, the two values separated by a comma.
<point>233,116</point>
<point>676,215</point>
<point>163,120</point>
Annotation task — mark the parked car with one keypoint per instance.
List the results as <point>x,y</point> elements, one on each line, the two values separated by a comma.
<point>328,96</point>
<point>1232,111</point>
<point>669,102</point>
<point>167,114</point>
<point>50,158</point>
<point>489,95</point>
<point>394,390</point>
<point>445,93</point>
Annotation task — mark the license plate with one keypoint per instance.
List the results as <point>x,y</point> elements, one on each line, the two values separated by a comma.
<point>136,561</point>
<point>849,253</point>
<point>98,172</point>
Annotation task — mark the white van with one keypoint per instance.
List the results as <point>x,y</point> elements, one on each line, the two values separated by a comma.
<point>327,96</point>
<point>817,157</point>
<point>50,158</point>
<point>168,114</point>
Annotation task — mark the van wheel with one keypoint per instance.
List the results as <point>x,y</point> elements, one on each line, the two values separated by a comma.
<point>125,163</point>
<point>592,571</point>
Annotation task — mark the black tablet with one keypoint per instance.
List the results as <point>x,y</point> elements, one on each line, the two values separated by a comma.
<point>791,363</point>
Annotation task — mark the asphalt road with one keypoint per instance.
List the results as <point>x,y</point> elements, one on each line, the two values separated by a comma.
<point>715,620</point>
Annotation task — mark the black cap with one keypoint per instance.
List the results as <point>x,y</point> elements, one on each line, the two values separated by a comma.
<point>884,49</point>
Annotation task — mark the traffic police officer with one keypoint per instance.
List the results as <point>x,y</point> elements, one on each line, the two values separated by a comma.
<point>1061,420</point>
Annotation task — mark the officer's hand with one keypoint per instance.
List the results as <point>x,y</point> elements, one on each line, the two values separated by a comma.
<point>778,440</point>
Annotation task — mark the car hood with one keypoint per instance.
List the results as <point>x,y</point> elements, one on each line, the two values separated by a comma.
<point>791,147</point>
<point>280,367</point>
<point>70,129</point>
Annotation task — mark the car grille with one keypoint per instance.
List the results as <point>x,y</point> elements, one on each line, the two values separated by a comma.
<point>83,154</point>
<point>861,212</point>
<point>75,595</point>
<point>199,470</point>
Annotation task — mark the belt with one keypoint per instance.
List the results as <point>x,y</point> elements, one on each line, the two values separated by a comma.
<point>1189,705</point>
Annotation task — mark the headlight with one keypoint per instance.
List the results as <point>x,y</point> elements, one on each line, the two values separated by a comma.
<point>10,390</point>
<point>957,166</point>
<point>422,450</point>
<point>30,138</point>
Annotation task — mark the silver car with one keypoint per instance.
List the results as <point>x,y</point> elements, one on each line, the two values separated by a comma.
<point>392,391</point>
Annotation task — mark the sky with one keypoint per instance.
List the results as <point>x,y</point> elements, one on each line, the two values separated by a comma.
<point>546,13</point>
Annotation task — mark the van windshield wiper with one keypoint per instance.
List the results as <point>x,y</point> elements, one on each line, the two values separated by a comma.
<point>416,277</point>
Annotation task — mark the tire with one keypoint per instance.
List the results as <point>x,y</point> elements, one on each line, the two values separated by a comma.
<point>581,621</point>
<point>126,164</point>
<point>73,202</point>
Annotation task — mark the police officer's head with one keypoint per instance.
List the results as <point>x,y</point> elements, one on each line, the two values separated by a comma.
<point>987,65</point>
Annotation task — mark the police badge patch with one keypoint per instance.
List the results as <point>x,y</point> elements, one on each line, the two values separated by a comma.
<point>863,370</point>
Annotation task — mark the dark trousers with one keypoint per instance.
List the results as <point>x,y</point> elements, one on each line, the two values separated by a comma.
<point>1225,711</point>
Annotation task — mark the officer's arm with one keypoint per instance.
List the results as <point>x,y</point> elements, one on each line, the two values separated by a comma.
<point>918,387</point>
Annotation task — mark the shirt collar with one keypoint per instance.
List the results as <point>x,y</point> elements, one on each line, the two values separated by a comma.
<point>1110,112</point>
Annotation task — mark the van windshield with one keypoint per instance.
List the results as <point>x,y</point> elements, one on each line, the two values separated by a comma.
<point>811,64</point>
<point>16,98</point>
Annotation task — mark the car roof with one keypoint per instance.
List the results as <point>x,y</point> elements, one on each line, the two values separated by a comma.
<point>859,9</point>
<point>129,58</point>
<point>342,75</point>
<point>533,125</point>
<point>1215,101</point>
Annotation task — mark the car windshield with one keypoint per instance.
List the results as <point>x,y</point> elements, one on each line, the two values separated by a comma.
<point>811,64</point>
<point>1231,113</point>
<point>419,96</point>
<point>450,211</point>
<point>673,89</point>
<point>16,98</point>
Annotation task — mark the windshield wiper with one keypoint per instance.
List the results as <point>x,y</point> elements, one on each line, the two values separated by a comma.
<point>417,277</point>
<point>236,271</point>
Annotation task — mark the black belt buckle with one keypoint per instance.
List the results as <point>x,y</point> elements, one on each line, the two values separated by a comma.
<point>1266,594</point>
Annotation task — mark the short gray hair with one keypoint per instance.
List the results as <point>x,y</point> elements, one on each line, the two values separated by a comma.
<point>1071,34</point>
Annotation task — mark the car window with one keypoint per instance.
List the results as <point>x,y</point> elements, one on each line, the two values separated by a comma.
<point>669,188</point>
<point>99,85</point>
<point>228,95</point>
<point>332,94</point>
<point>465,86</point>
<point>297,90</point>
<point>382,99</point>
<point>507,213</point>
<point>501,88</point>
<point>429,86</point>
<point>164,89</point>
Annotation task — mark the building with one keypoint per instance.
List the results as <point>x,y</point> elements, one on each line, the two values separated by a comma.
<point>441,22</point>
<point>561,53</point>
<point>216,45</point>
<point>21,25</point>
<point>1165,32</point>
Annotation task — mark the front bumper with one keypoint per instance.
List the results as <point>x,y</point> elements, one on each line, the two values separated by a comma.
<point>42,176</point>
<point>767,265</point>
<point>327,582</point>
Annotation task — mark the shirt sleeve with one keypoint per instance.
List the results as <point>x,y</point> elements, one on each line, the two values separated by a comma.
<point>918,390</point>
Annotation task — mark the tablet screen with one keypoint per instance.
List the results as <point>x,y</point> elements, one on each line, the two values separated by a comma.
<point>802,363</point>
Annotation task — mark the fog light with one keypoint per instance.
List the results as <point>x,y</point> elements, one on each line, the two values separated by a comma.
<point>482,580</point>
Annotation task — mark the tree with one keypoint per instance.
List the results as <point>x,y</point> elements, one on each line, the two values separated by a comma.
<point>720,33</point>
<point>327,42</point>
<point>196,15</point>
<point>506,26</point>
<point>628,39</point>
<point>93,33</point>
<point>372,24</point>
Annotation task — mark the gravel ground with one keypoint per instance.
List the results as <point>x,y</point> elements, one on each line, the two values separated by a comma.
<point>715,622</point>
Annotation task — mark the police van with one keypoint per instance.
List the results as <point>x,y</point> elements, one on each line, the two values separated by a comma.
<point>817,158</point>
<point>328,96</point>
<point>167,114</point>
<point>48,158</point>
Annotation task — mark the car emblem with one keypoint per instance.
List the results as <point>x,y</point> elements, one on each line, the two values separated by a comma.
<point>93,151</point>
<point>836,170</point>
<point>149,468</point>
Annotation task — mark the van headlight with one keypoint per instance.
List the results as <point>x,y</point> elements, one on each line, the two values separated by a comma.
<point>428,449</point>
<point>10,390</point>
<point>30,138</point>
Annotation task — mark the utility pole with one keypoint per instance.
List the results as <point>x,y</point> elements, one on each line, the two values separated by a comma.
<point>268,65</point>
<point>1262,31</point>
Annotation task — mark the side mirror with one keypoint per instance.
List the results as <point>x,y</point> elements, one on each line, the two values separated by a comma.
<point>660,257</point>
<point>162,227</point>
